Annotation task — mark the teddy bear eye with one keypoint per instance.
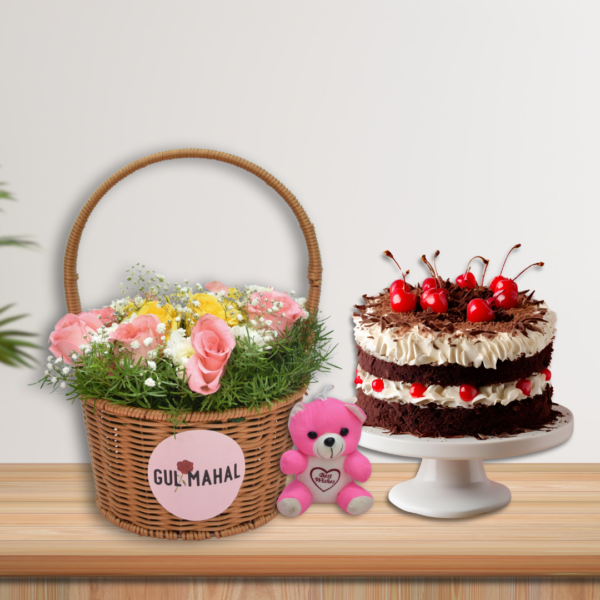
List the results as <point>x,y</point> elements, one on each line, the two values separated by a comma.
<point>312,435</point>
<point>344,432</point>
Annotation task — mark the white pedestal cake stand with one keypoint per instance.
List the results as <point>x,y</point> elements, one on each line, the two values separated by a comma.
<point>451,482</point>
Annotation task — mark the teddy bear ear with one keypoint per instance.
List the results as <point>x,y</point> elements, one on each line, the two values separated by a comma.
<point>357,412</point>
<point>297,408</point>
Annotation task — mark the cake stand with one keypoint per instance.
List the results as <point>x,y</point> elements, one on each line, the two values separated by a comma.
<point>451,482</point>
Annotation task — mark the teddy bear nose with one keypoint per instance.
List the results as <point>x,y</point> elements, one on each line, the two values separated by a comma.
<point>329,442</point>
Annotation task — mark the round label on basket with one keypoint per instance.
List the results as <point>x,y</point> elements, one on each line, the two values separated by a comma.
<point>196,475</point>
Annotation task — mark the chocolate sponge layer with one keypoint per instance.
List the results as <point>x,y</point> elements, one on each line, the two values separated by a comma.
<point>435,421</point>
<point>445,375</point>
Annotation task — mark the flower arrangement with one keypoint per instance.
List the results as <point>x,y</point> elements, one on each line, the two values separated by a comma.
<point>181,348</point>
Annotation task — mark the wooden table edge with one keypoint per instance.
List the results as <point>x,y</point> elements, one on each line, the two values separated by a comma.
<point>301,566</point>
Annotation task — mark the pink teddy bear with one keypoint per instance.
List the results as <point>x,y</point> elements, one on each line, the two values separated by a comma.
<point>326,433</point>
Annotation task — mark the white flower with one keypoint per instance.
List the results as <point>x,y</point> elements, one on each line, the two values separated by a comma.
<point>179,348</point>
<point>50,358</point>
<point>152,354</point>
<point>135,344</point>
<point>66,370</point>
<point>240,317</point>
<point>254,302</point>
<point>63,385</point>
<point>242,331</point>
<point>49,365</point>
<point>148,341</point>
<point>46,373</point>
<point>256,337</point>
<point>150,382</point>
<point>177,319</point>
<point>58,360</point>
<point>160,328</point>
<point>293,292</point>
<point>53,380</point>
<point>301,302</point>
<point>151,364</point>
<point>268,322</point>
<point>138,301</point>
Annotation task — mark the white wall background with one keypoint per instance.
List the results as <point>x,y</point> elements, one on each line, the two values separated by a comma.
<point>466,127</point>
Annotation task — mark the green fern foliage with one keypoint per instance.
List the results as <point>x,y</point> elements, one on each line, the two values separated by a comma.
<point>14,342</point>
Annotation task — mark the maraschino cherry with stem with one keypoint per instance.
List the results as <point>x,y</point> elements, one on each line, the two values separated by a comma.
<point>401,299</point>
<point>434,298</point>
<point>429,283</point>
<point>499,277</point>
<point>479,311</point>
<point>467,279</point>
<point>507,290</point>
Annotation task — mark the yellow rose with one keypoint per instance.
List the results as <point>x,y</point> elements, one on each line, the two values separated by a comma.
<point>232,314</point>
<point>202,304</point>
<point>165,312</point>
<point>210,304</point>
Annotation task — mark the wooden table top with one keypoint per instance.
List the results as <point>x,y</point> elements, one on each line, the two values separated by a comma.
<point>49,525</point>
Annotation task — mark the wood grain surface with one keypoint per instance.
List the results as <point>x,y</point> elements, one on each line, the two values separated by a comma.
<point>300,589</point>
<point>49,526</point>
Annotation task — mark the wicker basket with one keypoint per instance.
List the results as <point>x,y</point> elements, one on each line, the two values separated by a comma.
<point>121,438</point>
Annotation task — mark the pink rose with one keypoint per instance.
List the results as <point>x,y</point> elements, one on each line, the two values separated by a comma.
<point>216,286</point>
<point>213,342</point>
<point>139,336</point>
<point>287,315</point>
<point>98,317</point>
<point>68,335</point>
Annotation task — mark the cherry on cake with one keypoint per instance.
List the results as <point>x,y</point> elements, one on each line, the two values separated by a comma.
<point>445,359</point>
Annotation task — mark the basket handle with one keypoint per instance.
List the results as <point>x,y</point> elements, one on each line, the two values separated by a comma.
<point>315,268</point>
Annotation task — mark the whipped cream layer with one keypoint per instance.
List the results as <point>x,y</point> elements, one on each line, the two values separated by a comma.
<point>449,397</point>
<point>421,346</point>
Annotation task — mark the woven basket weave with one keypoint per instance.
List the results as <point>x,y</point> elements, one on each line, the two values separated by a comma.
<point>122,438</point>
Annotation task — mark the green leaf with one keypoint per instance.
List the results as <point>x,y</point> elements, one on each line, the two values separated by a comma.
<point>12,345</point>
<point>4,195</point>
<point>11,319</point>
<point>19,242</point>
